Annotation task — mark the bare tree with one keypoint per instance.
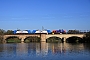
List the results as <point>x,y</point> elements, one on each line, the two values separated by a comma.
<point>2,32</point>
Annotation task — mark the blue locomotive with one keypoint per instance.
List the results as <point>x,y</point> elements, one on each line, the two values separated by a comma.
<point>22,31</point>
<point>30,32</point>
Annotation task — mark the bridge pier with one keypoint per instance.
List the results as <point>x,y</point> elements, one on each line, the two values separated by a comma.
<point>22,39</point>
<point>43,37</point>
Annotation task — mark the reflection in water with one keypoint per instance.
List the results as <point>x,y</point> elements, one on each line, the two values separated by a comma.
<point>44,48</point>
<point>23,51</point>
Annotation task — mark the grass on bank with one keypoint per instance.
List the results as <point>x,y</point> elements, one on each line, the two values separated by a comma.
<point>13,41</point>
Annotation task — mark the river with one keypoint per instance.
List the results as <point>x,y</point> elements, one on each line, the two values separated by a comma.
<point>44,51</point>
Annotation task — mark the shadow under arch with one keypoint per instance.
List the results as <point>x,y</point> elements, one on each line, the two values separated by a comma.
<point>74,39</point>
<point>13,39</point>
<point>54,39</point>
<point>32,39</point>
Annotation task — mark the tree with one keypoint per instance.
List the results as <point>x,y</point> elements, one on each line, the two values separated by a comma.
<point>88,34</point>
<point>87,37</point>
<point>9,32</point>
<point>73,32</point>
<point>2,32</point>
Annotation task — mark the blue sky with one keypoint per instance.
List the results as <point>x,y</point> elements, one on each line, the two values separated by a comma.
<point>51,14</point>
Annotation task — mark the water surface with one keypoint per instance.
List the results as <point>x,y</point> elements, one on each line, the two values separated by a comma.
<point>44,51</point>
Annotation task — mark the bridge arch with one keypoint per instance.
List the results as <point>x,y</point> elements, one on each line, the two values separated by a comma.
<point>54,39</point>
<point>74,39</point>
<point>12,39</point>
<point>32,39</point>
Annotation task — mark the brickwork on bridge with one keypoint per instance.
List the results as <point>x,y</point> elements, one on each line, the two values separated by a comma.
<point>21,37</point>
<point>44,36</point>
<point>65,36</point>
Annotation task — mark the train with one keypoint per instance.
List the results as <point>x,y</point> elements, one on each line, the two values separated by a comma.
<point>60,31</point>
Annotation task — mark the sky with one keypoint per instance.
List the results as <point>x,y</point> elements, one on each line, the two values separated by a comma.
<point>51,14</point>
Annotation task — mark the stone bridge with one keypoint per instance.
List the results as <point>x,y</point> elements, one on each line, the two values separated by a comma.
<point>21,37</point>
<point>43,36</point>
<point>65,36</point>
